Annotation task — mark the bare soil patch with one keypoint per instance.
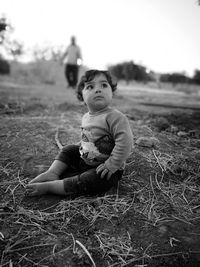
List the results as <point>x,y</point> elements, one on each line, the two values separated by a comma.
<point>151,219</point>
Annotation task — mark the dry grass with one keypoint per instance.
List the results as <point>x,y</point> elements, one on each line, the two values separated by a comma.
<point>158,202</point>
<point>150,217</point>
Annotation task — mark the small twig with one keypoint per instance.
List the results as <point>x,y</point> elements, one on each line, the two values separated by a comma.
<point>30,247</point>
<point>54,254</point>
<point>158,161</point>
<point>150,209</point>
<point>152,256</point>
<point>184,194</point>
<point>151,183</point>
<point>86,251</point>
<point>23,257</point>
<point>11,182</point>
<point>133,260</point>
<point>20,181</point>
<point>158,185</point>
<point>196,218</point>
<point>179,219</point>
<point>74,244</point>
<point>60,146</point>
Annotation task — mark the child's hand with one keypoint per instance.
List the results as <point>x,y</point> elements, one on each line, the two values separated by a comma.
<point>103,171</point>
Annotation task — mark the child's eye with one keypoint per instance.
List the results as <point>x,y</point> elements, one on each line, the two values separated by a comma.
<point>89,87</point>
<point>104,85</point>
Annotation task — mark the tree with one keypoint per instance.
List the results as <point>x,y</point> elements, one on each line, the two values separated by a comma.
<point>196,77</point>
<point>11,47</point>
<point>15,49</point>
<point>3,26</point>
<point>4,65</point>
<point>129,71</point>
<point>175,78</point>
<point>47,53</point>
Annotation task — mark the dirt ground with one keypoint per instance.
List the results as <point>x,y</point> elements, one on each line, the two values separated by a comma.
<point>151,219</point>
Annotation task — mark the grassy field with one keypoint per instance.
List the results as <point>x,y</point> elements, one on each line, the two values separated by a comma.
<point>151,219</point>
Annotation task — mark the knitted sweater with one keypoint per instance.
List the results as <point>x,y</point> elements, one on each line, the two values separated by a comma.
<point>106,137</point>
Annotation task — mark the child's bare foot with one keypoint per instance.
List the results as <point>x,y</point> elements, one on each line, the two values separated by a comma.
<point>44,177</point>
<point>36,189</point>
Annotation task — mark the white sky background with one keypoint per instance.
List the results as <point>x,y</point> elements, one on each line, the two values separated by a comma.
<point>163,35</point>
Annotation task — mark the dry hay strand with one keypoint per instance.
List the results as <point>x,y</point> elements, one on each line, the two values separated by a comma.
<point>159,199</point>
<point>58,142</point>
<point>32,234</point>
<point>166,195</point>
<point>159,159</point>
<point>162,201</point>
<point>93,209</point>
<point>86,251</point>
<point>118,250</point>
<point>12,181</point>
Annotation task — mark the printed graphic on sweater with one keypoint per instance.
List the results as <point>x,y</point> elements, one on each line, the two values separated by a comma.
<point>95,151</point>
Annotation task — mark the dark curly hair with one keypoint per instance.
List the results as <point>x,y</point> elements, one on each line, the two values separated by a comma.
<point>89,76</point>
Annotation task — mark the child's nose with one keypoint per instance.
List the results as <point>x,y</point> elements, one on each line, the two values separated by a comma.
<point>97,89</point>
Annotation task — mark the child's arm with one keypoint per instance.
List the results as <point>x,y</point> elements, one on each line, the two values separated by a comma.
<point>123,137</point>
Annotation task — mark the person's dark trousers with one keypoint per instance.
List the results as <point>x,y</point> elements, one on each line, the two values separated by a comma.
<point>71,74</point>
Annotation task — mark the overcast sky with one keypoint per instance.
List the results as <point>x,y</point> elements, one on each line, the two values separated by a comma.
<point>163,35</point>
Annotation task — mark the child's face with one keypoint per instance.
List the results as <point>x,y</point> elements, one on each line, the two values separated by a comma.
<point>97,94</point>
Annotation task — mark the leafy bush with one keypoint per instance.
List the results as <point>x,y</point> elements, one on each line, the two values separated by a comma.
<point>4,67</point>
<point>196,77</point>
<point>175,78</point>
<point>129,71</point>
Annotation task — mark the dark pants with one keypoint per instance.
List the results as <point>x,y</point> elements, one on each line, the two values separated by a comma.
<point>71,74</point>
<point>86,180</point>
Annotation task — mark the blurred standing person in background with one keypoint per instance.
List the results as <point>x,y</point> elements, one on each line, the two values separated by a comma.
<point>71,58</point>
